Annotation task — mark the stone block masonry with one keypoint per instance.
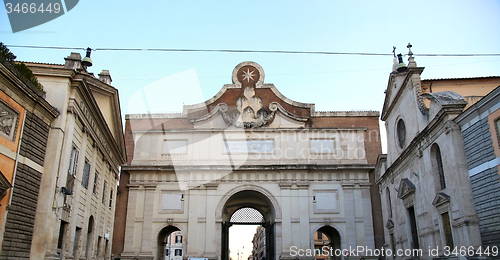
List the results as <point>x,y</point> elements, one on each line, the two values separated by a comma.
<point>21,214</point>
<point>34,140</point>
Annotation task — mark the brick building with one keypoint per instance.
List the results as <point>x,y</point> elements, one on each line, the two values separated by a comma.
<point>249,155</point>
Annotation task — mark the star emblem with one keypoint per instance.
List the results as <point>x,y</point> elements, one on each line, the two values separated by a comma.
<point>248,75</point>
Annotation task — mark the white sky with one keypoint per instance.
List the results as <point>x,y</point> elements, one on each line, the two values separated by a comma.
<point>240,238</point>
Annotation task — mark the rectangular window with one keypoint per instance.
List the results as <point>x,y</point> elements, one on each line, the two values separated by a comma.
<point>77,239</point>
<point>447,229</point>
<point>73,161</point>
<point>248,146</point>
<point>175,147</point>
<point>96,182</point>
<point>104,192</point>
<point>413,228</point>
<point>62,231</point>
<point>178,252</point>
<point>98,249</point>
<point>86,174</point>
<point>111,199</point>
<point>171,201</point>
<point>322,146</point>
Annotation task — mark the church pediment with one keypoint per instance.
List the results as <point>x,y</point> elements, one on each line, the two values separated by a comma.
<point>249,103</point>
<point>390,224</point>
<point>406,187</point>
<point>440,199</point>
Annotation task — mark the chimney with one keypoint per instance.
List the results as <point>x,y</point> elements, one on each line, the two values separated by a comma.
<point>73,61</point>
<point>105,77</point>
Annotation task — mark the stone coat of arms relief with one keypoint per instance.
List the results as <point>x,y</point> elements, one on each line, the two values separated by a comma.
<point>250,111</point>
<point>8,121</point>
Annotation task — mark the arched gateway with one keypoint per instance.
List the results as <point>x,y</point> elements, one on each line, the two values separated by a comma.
<point>248,207</point>
<point>249,155</point>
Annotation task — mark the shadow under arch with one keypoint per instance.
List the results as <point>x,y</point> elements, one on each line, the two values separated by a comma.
<point>334,238</point>
<point>242,198</point>
<point>162,236</point>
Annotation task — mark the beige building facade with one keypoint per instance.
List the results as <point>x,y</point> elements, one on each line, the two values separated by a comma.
<point>25,120</point>
<point>248,155</point>
<point>75,210</point>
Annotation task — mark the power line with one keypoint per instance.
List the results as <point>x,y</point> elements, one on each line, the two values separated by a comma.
<point>254,51</point>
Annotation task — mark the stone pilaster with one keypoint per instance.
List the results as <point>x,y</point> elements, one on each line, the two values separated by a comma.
<point>192,235</point>
<point>147,226</point>
<point>367,216</point>
<point>304,201</point>
<point>129,252</point>
<point>210,240</point>
<point>350,221</point>
<point>286,218</point>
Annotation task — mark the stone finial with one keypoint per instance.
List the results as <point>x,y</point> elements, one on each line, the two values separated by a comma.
<point>395,61</point>
<point>105,77</point>
<point>73,61</point>
<point>411,59</point>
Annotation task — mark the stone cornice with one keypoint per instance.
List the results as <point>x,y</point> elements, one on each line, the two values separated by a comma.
<point>388,105</point>
<point>419,143</point>
<point>228,130</point>
<point>249,167</point>
<point>83,82</point>
<point>103,88</point>
<point>89,110</point>
<point>28,93</point>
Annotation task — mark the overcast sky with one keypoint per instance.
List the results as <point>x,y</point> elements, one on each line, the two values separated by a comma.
<point>166,80</point>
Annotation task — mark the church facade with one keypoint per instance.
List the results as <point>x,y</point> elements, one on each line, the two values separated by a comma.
<point>249,155</point>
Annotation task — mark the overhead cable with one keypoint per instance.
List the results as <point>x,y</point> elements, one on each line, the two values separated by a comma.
<point>254,51</point>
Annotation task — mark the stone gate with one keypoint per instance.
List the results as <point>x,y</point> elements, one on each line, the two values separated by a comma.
<point>247,147</point>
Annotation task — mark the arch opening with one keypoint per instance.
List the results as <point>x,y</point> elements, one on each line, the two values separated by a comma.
<point>327,243</point>
<point>170,244</point>
<point>248,213</point>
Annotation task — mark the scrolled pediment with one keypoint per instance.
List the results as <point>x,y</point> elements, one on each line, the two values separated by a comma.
<point>249,103</point>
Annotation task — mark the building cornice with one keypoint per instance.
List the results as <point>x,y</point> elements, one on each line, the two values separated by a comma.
<point>292,167</point>
<point>419,143</point>
<point>80,83</point>
<point>28,94</point>
<point>388,105</point>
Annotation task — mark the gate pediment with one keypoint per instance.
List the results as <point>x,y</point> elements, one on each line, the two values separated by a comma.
<point>249,103</point>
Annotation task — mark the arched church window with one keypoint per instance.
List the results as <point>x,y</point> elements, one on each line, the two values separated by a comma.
<point>389,204</point>
<point>437,166</point>
<point>401,133</point>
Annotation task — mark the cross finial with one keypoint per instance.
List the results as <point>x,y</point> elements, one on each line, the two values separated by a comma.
<point>409,49</point>
<point>394,51</point>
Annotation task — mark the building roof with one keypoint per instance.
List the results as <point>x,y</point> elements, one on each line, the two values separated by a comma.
<point>485,77</point>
